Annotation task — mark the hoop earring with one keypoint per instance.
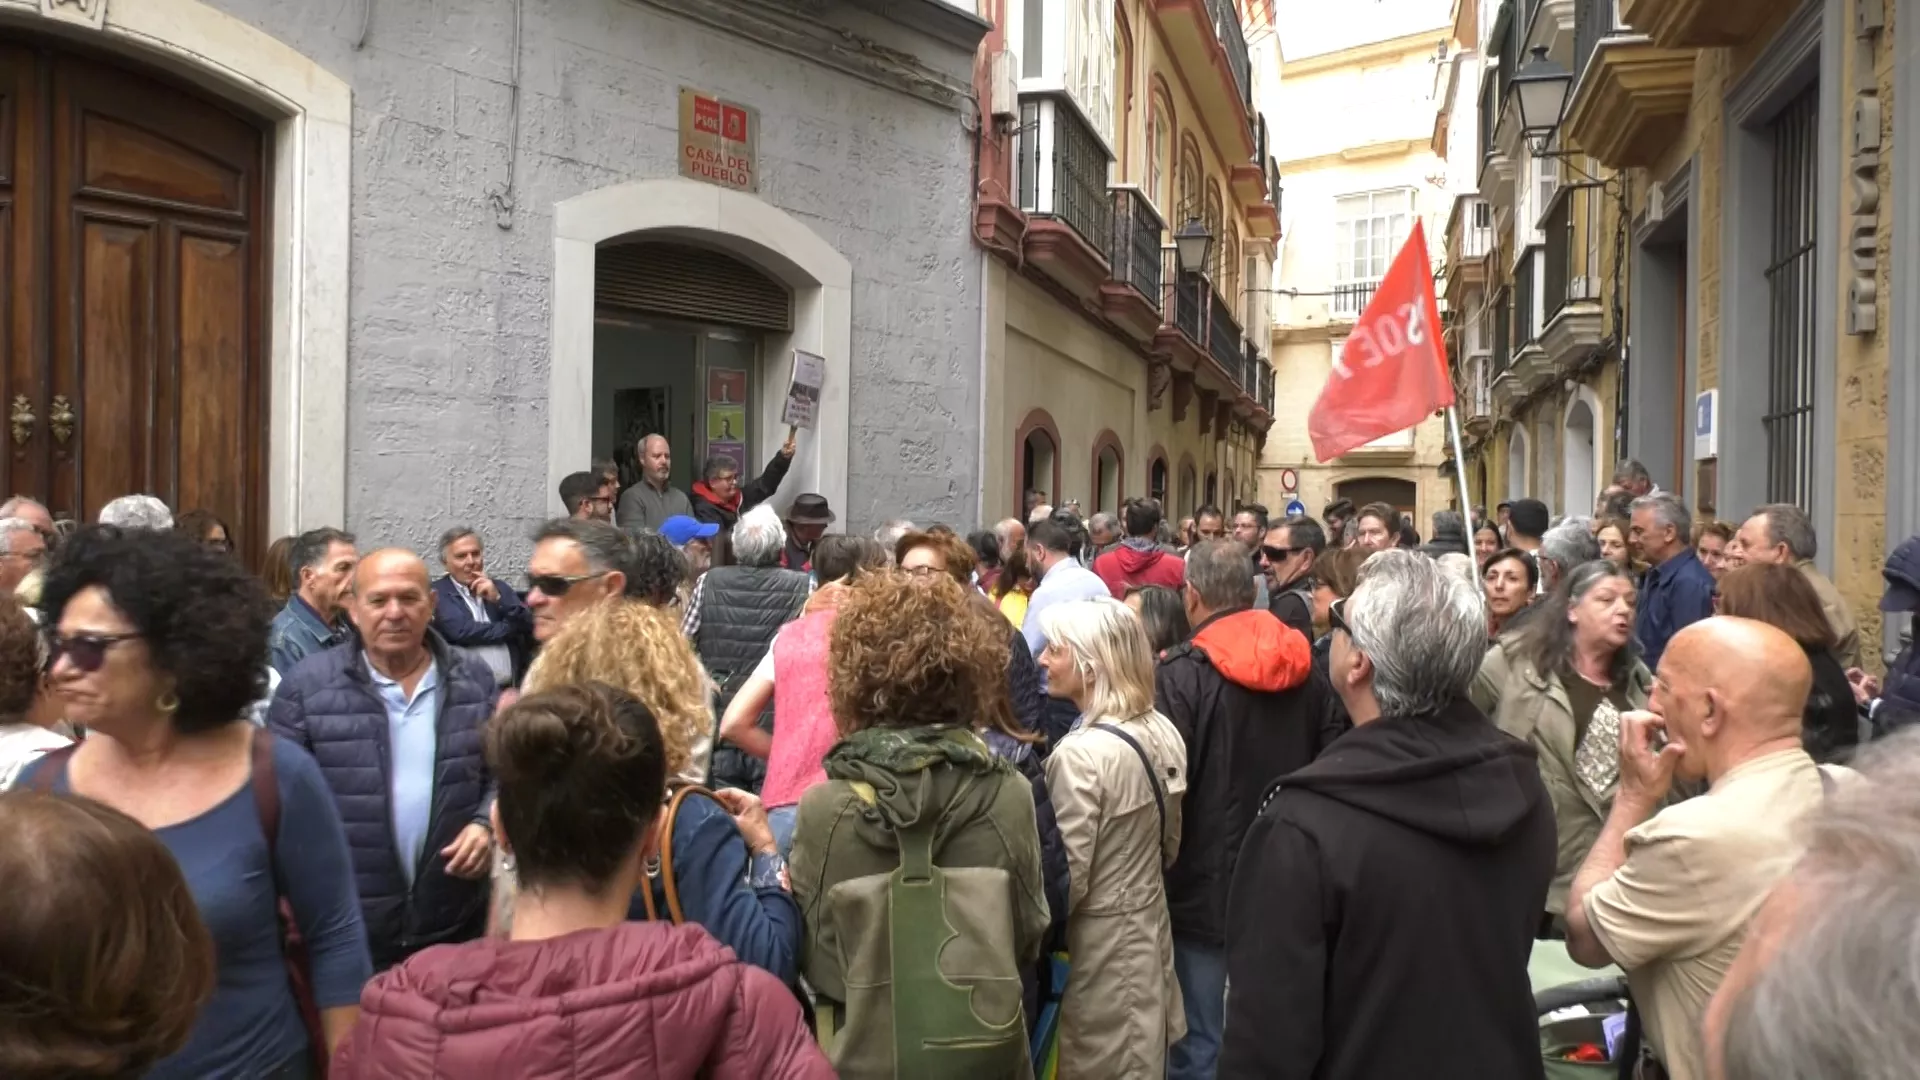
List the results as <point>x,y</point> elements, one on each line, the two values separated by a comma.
<point>168,703</point>
<point>652,866</point>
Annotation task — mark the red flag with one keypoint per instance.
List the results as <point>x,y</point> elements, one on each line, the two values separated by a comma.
<point>1393,371</point>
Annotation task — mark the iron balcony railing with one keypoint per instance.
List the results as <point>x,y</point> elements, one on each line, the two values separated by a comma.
<point>1273,185</point>
<point>1489,118</point>
<point>1185,306</point>
<point>1266,387</point>
<point>1352,298</point>
<point>1223,335</point>
<point>1249,369</point>
<point>1135,250</point>
<point>1572,256</point>
<point>1226,27</point>
<point>1063,168</point>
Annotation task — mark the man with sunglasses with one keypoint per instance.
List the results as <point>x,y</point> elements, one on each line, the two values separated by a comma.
<point>587,497</point>
<point>575,565</point>
<point>1287,556</point>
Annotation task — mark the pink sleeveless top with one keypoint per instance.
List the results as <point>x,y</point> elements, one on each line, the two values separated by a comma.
<point>803,727</point>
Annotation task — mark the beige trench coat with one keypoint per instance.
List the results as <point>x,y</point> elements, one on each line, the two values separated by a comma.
<point>1122,1006</point>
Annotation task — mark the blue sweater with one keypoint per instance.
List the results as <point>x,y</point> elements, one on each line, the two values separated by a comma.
<point>762,926</point>
<point>252,1024</point>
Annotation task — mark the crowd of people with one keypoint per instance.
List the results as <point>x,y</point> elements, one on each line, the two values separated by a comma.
<point>710,790</point>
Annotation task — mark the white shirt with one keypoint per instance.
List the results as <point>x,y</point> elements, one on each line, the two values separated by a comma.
<point>20,744</point>
<point>499,658</point>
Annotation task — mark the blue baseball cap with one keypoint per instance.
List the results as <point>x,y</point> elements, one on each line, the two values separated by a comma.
<point>680,528</point>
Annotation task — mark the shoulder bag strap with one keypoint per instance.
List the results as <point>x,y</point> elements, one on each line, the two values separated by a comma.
<point>52,765</point>
<point>668,882</point>
<point>266,801</point>
<point>1153,778</point>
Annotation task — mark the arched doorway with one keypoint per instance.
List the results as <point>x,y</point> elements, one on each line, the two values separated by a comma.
<point>1039,459</point>
<point>1518,459</point>
<point>1213,488</point>
<point>1577,488</point>
<point>1157,479</point>
<point>817,278</point>
<point>1189,488</point>
<point>1402,495</point>
<point>679,339</point>
<point>142,309</point>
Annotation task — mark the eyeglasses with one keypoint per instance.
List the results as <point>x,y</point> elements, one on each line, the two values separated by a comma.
<point>1337,617</point>
<point>557,585</point>
<point>923,571</point>
<point>1279,554</point>
<point>87,651</point>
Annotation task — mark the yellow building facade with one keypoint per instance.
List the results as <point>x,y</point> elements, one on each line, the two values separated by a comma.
<point>1754,242</point>
<point>1360,170</point>
<point>1108,370</point>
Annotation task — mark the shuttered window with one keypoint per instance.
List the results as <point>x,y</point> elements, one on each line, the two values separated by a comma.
<point>696,284</point>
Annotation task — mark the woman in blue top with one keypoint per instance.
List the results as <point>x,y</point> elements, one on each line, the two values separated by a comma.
<point>157,651</point>
<point>727,871</point>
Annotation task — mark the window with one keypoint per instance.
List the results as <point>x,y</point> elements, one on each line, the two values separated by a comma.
<point>1160,155</point>
<point>1230,269</point>
<point>1190,177</point>
<point>1070,44</point>
<point>1368,232</point>
<point>1215,219</point>
<point>1792,284</point>
<point>1157,481</point>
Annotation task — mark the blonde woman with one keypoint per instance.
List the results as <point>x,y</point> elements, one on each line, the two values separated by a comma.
<point>729,876</point>
<point>1117,781</point>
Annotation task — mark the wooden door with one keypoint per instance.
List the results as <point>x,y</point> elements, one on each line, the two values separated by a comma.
<point>133,217</point>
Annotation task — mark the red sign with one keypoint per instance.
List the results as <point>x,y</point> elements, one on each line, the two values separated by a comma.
<point>1393,371</point>
<point>717,141</point>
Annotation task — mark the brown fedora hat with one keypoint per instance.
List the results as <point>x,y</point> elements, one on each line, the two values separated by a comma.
<point>810,510</point>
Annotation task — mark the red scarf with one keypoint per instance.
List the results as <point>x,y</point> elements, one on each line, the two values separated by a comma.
<point>732,505</point>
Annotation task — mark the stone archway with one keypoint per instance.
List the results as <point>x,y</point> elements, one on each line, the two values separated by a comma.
<point>820,278</point>
<point>1579,447</point>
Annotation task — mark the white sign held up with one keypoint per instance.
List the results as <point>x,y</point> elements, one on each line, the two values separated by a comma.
<point>803,395</point>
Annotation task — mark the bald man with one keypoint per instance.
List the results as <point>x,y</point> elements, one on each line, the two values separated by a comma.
<point>394,720</point>
<point>649,503</point>
<point>1668,894</point>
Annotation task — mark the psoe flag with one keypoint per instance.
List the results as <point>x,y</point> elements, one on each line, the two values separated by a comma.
<point>1393,371</point>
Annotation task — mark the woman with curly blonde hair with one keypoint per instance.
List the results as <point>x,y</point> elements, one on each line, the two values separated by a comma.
<point>916,669</point>
<point>727,873</point>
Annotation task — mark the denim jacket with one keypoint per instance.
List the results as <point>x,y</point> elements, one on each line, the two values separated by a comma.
<point>298,632</point>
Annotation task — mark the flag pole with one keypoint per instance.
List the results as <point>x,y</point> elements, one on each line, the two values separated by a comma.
<point>1460,469</point>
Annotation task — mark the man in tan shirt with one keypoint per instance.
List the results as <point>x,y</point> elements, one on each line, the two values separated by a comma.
<point>1783,534</point>
<point>1668,896</point>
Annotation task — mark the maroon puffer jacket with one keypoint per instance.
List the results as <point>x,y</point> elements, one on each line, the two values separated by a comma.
<point>638,1000</point>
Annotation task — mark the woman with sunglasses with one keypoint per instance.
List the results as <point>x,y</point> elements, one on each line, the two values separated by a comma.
<point>203,526</point>
<point>158,648</point>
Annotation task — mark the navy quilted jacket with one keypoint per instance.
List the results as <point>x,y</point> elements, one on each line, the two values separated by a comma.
<point>328,705</point>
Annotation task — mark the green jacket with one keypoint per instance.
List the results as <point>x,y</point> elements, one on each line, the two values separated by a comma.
<point>1531,706</point>
<point>882,785</point>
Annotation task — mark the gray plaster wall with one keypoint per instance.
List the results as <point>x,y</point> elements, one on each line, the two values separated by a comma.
<point>448,352</point>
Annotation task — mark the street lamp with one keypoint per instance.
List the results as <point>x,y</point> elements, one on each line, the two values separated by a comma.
<point>1192,244</point>
<point>1539,91</point>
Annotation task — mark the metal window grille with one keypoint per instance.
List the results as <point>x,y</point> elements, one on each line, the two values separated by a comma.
<point>1526,283</point>
<point>1063,168</point>
<point>1791,283</point>
<point>1136,243</point>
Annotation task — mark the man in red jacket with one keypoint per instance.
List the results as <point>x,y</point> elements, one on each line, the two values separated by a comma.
<point>1139,560</point>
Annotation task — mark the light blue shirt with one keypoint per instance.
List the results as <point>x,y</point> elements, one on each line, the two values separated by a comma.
<point>1067,581</point>
<point>412,745</point>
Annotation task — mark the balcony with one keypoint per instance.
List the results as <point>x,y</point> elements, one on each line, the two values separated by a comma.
<point>1351,299</point>
<point>1201,337</point>
<point>1132,299</point>
<point>1208,44</point>
<point>1690,24</point>
<point>1476,398</point>
<point>1530,364</point>
<point>1062,179</point>
<point>1630,96</point>
<point>1501,364</point>
<point>1469,242</point>
<point>1575,323</point>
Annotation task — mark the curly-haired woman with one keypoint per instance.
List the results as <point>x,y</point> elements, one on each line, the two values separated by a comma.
<point>916,668</point>
<point>726,869</point>
<point>578,990</point>
<point>28,716</point>
<point>158,649</point>
<point>108,962</point>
